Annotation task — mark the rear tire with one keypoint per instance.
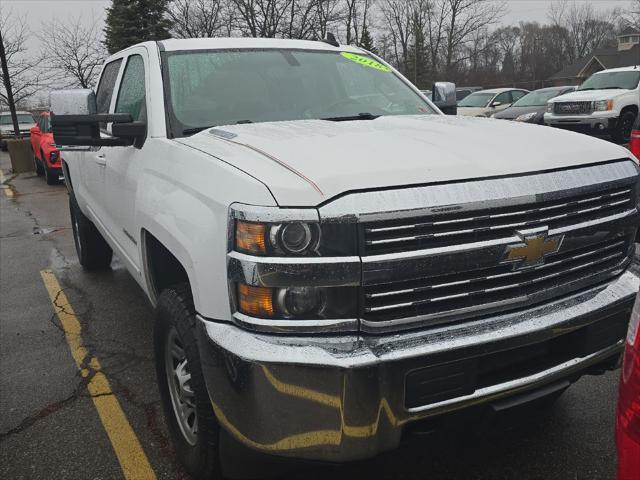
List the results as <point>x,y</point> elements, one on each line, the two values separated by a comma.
<point>192,424</point>
<point>622,133</point>
<point>93,251</point>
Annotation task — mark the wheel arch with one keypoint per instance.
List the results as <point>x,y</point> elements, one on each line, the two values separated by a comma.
<point>163,266</point>
<point>633,108</point>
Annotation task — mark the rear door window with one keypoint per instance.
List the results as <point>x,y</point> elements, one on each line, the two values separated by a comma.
<point>517,95</point>
<point>131,96</point>
<point>504,98</point>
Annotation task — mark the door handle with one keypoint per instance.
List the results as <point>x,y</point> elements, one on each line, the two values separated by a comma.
<point>101,159</point>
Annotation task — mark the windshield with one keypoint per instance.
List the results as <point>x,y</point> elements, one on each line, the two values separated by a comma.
<point>476,100</point>
<point>227,87</point>
<point>538,98</point>
<point>601,81</point>
<point>22,118</point>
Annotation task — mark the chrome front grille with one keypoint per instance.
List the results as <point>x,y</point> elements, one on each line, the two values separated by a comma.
<point>443,253</point>
<point>435,299</point>
<point>489,224</point>
<point>573,108</point>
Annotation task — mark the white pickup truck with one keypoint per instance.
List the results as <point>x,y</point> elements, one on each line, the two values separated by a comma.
<point>606,103</point>
<point>334,262</point>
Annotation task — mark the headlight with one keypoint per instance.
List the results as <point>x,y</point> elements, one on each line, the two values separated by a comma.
<point>603,105</point>
<point>294,239</point>
<point>526,117</point>
<point>284,265</point>
<point>297,303</point>
<point>550,107</point>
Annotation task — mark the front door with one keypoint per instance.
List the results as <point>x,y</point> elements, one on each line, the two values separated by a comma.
<point>92,163</point>
<point>123,165</point>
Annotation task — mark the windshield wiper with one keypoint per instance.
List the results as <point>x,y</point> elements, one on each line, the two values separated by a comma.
<point>347,118</point>
<point>191,131</point>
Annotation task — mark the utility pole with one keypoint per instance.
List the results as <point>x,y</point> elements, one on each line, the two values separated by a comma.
<point>7,86</point>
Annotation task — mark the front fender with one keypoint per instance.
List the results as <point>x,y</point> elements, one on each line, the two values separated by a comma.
<point>183,200</point>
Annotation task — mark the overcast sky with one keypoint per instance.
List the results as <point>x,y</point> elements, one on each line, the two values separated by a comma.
<point>41,10</point>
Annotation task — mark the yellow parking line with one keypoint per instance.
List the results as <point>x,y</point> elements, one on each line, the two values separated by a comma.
<point>131,456</point>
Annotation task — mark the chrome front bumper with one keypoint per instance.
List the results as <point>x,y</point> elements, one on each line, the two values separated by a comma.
<point>342,398</point>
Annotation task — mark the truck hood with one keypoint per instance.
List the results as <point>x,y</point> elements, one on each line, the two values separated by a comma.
<point>590,95</point>
<point>305,163</point>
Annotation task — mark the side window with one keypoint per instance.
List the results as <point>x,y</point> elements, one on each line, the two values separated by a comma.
<point>107,83</point>
<point>131,96</point>
<point>517,95</point>
<point>503,98</point>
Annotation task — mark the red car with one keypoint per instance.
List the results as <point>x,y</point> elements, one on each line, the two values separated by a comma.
<point>45,154</point>
<point>628,415</point>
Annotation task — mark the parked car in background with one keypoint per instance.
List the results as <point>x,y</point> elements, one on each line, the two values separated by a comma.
<point>628,413</point>
<point>532,107</point>
<point>45,154</point>
<point>487,102</point>
<point>461,92</point>
<point>606,103</point>
<point>464,92</point>
<point>25,122</point>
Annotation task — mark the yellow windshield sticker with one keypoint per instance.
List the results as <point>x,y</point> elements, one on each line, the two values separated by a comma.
<point>365,61</point>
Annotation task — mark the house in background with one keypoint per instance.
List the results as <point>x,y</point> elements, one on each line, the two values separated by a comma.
<point>626,54</point>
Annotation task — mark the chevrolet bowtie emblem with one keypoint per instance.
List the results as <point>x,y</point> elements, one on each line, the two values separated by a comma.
<point>533,249</point>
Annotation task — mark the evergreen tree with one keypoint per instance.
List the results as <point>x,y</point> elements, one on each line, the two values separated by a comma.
<point>133,21</point>
<point>366,40</point>
<point>417,68</point>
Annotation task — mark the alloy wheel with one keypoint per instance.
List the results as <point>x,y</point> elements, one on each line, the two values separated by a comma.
<point>180,390</point>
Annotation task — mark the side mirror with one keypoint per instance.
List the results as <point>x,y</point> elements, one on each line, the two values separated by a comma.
<point>496,104</point>
<point>444,96</point>
<point>75,123</point>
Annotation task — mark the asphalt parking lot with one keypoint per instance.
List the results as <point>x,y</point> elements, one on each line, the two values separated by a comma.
<point>80,401</point>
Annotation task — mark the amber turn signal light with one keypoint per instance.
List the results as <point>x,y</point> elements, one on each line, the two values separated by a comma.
<point>255,301</point>
<point>250,237</point>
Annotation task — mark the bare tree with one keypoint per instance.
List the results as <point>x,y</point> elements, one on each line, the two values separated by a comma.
<point>22,72</point>
<point>397,18</point>
<point>631,16</point>
<point>262,18</point>
<point>465,18</point>
<point>355,17</point>
<point>587,28</point>
<point>197,18</point>
<point>73,53</point>
<point>327,14</point>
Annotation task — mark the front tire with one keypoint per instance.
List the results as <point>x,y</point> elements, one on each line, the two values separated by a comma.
<point>49,176</point>
<point>622,133</point>
<point>93,251</point>
<point>37,165</point>
<point>192,424</point>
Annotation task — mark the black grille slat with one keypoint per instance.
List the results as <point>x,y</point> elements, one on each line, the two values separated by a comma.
<point>482,225</point>
<point>573,108</point>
